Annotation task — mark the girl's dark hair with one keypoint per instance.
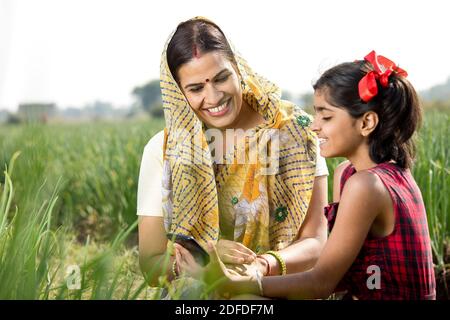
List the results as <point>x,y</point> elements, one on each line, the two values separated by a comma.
<point>194,37</point>
<point>396,105</point>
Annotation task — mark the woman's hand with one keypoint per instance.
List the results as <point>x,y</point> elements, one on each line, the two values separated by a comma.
<point>186,263</point>
<point>232,252</point>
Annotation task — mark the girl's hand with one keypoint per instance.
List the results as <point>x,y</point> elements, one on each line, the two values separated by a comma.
<point>249,269</point>
<point>186,263</point>
<point>223,280</point>
<point>216,275</point>
<point>232,252</point>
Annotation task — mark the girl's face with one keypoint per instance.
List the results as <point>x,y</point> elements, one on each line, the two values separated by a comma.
<point>337,131</point>
<point>211,85</point>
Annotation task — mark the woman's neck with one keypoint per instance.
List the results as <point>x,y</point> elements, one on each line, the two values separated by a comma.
<point>248,118</point>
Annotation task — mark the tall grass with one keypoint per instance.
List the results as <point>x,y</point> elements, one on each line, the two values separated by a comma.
<point>432,173</point>
<point>70,199</point>
<point>97,165</point>
<point>74,204</point>
<point>34,259</point>
<point>26,245</point>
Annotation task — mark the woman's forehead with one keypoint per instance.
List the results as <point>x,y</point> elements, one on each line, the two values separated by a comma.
<point>205,66</point>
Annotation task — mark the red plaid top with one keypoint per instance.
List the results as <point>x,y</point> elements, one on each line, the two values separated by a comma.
<point>404,257</point>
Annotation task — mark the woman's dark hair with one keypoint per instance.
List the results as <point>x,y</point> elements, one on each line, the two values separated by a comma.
<point>192,38</point>
<point>396,105</point>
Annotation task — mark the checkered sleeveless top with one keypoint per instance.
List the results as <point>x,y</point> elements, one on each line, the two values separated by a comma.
<point>404,257</point>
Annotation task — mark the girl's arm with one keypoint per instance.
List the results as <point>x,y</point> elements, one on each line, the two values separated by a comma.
<point>304,252</point>
<point>359,205</point>
<point>363,198</point>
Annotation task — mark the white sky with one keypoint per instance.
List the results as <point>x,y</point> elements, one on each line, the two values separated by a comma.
<point>73,52</point>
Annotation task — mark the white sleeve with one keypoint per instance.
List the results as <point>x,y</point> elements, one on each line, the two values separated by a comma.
<point>149,195</point>
<point>321,164</point>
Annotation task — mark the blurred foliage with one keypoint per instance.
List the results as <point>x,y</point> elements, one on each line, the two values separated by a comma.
<point>149,97</point>
<point>75,189</point>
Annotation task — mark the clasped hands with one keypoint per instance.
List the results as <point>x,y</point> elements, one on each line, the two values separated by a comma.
<point>236,261</point>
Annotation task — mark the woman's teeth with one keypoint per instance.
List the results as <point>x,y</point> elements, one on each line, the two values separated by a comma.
<point>321,140</point>
<point>219,108</point>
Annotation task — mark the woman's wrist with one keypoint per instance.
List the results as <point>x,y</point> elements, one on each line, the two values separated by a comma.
<point>174,269</point>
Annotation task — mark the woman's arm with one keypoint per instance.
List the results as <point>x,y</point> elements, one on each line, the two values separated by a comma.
<point>153,249</point>
<point>152,235</point>
<point>304,252</point>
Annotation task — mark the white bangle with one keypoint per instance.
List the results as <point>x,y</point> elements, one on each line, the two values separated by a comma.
<point>259,281</point>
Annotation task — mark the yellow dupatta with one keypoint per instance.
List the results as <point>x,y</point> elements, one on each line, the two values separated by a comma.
<point>266,210</point>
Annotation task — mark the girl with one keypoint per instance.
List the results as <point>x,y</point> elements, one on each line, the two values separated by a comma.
<point>379,245</point>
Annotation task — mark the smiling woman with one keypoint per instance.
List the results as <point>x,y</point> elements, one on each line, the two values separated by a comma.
<point>218,103</point>
<point>207,73</point>
<point>263,221</point>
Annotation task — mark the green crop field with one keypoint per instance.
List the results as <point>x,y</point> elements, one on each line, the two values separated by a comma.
<point>68,206</point>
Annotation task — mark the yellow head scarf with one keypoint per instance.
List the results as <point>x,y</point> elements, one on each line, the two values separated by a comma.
<point>264,211</point>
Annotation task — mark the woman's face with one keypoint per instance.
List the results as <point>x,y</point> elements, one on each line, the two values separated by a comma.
<point>211,85</point>
<point>336,129</point>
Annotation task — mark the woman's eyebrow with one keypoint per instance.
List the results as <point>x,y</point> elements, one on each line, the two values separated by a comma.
<point>215,77</point>
<point>221,73</point>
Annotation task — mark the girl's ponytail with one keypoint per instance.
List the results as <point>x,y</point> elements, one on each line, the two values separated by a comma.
<point>400,115</point>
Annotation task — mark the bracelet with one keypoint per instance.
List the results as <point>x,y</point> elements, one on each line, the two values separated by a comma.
<point>280,261</point>
<point>259,282</point>
<point>174,269</point>
<point>269,269</point>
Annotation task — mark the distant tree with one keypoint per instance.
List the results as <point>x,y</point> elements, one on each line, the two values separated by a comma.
<point>439,92</point>
<point>149,97</point>
<point>157,112</point>
<point>13,119</point>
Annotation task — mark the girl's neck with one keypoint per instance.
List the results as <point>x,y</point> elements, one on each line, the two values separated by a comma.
<point>360,159</point>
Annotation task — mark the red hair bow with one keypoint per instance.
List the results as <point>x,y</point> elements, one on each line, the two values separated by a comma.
<point>382,69</point>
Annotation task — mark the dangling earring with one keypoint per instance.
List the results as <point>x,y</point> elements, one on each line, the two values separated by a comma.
<point>242,84</point>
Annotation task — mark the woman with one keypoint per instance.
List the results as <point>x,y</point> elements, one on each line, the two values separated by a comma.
<point>263,214</point>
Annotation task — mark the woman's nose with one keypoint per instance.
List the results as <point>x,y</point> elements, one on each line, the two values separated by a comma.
<point>212,95</point>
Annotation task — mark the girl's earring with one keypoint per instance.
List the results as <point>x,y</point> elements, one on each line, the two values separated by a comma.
<point>242,84</point>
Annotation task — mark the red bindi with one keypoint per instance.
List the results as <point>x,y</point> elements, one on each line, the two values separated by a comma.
<point>207,80</point>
